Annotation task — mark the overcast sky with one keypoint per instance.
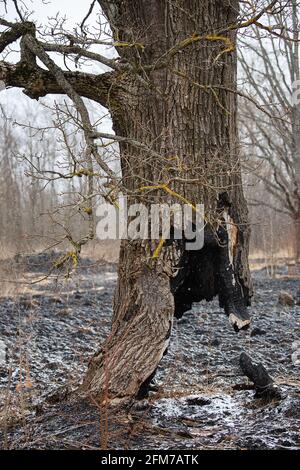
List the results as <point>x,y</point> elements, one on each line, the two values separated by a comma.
<point>74,11</point>
<point>41,12</point>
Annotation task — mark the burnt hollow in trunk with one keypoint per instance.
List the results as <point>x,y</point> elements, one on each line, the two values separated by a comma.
<point>206,273</point>
<point>202,275</point>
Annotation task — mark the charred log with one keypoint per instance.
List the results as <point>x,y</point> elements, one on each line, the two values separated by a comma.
<point>263,383</point>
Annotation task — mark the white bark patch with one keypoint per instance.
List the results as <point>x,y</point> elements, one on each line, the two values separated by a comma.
<point>238,322</point>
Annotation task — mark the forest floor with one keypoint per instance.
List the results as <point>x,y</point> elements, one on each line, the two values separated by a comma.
<point>201,400</point>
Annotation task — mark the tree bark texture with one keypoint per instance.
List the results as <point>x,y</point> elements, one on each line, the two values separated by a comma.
<point>296,192</point>
<point>186,115</point>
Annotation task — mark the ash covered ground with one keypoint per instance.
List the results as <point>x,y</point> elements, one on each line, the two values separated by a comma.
<point>201,399</point>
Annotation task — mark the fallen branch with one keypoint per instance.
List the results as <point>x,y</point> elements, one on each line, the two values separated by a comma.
<point>263,383</point>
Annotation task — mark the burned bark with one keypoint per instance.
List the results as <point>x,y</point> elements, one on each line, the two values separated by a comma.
<point>208,272</point>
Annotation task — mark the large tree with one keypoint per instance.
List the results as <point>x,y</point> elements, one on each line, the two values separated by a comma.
<point>172,97</point>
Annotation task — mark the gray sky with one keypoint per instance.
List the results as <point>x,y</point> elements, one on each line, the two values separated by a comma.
<point>75,11</point>
<point>41,12</point>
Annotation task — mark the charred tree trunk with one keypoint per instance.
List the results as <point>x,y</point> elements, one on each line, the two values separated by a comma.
<point>187,116</point>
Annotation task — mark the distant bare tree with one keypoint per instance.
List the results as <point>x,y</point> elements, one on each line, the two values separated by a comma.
<point>28,196</point>
<point>271,66</point>
<point>10,194</point>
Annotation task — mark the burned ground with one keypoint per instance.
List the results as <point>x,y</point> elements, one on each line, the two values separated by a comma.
<point>201,399</point>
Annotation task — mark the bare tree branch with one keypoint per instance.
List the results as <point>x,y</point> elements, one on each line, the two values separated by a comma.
<point>38,82</point>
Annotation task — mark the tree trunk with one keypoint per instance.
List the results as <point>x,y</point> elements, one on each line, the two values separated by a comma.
<point>295,78</point>
<point>296,193</point>
<point>193,129</point>
<point>296,221</point>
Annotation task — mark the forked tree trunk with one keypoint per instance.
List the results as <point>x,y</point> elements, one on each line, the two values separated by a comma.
<point>193,129</point>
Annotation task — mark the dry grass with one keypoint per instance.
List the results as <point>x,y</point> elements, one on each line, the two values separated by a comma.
<point>288,380</point>
<point>12,281</point>
<point>106,250</point>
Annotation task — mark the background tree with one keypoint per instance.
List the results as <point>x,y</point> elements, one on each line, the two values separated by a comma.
<point>272,139</point>
<point>11,222</point>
